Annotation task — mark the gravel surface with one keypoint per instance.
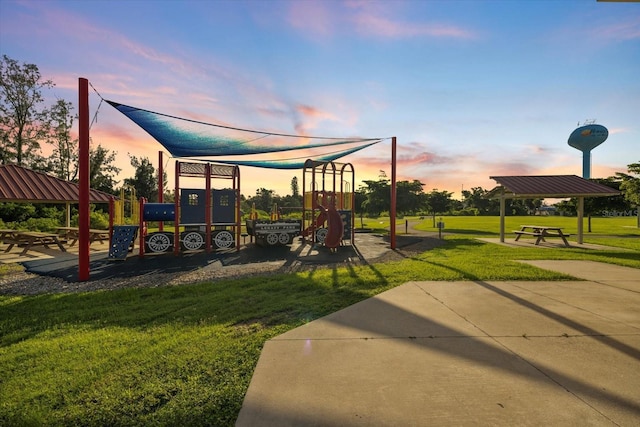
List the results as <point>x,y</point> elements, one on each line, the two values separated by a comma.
<point>168,270</point>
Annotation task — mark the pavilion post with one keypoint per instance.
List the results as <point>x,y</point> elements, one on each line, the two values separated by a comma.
<point>83,174</point>
<point>502,212</point>
<point>580,218</point>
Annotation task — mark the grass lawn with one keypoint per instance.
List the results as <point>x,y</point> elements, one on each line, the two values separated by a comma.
<point>185,355</point>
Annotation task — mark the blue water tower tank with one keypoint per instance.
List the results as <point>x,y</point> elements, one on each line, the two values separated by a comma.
<point>586,138</point>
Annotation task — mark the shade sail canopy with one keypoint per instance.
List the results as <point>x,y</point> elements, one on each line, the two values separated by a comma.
<point>22,185</point>
<point>548,186</point>
<point>186,138</point>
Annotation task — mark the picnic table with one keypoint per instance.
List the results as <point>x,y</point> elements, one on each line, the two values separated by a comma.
<point>540,232</point>
<point>29,239</point>
<point>73,233</point>
<point>5,232</point>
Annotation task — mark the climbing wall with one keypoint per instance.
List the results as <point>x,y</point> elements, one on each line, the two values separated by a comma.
<point>122,240</point>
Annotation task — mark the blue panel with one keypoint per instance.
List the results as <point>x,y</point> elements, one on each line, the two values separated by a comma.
<point>159,212</point>
<point>346,220</point>
<point>224,203</point>
<point>192,206</point>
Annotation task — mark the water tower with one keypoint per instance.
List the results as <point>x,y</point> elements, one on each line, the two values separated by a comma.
<point>586,138</point>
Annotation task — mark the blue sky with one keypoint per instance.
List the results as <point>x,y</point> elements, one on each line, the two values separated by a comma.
<point>471,89</point>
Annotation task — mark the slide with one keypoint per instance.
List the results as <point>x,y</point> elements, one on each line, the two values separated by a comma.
<point>322,217</point>
<point>335,227</point>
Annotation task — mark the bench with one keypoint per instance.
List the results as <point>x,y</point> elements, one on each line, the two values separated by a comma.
<point>530,233</point>
<point>540,232</point>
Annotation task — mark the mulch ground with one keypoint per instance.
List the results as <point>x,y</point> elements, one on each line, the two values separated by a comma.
<point>250,261</point>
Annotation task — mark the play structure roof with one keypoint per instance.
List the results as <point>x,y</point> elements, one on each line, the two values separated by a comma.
<point>550,186</point>
<point>18,184</point>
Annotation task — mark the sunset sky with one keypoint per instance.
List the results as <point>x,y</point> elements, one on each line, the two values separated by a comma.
<point>471,89</point>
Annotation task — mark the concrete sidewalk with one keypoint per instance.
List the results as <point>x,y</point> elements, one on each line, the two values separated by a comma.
<point>463,353</point>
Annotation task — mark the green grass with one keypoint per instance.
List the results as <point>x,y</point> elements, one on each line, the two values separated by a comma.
<point>185,355</point>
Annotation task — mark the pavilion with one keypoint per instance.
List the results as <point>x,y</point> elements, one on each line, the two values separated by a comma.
<point>548,186</point>
<point>22,185</point>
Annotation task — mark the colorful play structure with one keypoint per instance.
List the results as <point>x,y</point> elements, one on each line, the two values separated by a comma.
<point>209,219</point>
<point>203,219</point>
<point>328,203</point>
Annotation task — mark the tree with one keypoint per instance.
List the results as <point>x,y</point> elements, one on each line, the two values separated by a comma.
<point>378,197</point>
<point>295,189</point>
<point>23,122</point>
<point>410,197</point>
<point>64,162</point>
<point>477,198</point>
<point>263,199</point>
<point>102,172</point>
<point>145,179</point>
<point>438,202</point>
<point>630,185</point>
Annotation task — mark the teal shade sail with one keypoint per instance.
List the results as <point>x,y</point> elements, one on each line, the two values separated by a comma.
<point>191,138</point>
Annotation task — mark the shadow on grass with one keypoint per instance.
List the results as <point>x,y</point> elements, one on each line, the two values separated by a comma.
<point>294,298</point>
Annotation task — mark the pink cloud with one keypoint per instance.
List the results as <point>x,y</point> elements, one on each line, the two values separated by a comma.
<point>375,19</point>
<point>369,24</point>
<point>626,30</point>
<point>311,17</point>
<point>367,19</point>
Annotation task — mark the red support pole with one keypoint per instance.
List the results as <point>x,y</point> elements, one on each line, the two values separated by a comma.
<point>142,230</point>
<point>160,186</point>
<point>392,211</point>
<point>83,175</point>
<point>112,212</point>
<point>176,223</point>
<point>207,207</point>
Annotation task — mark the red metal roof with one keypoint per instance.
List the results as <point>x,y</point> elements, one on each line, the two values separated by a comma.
<point>18,184</point>
<point>551,186</point>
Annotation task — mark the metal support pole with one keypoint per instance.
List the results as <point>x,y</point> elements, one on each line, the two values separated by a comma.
<point>160,186</point>
<point>207,207</point>
<point>392,210</point>
<point>176,204</point>
<point>83,175</point>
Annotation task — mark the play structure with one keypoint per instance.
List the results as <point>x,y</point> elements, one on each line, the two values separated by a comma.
<point>327,212</point>
<point>328,203</point>
<point>203,219</point>
<point>209,219</point>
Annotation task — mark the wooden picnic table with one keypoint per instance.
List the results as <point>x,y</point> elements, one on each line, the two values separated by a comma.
<point>28,239</point>
<point>540,232</point>
<point>6,232</point>
<point>73,233</point>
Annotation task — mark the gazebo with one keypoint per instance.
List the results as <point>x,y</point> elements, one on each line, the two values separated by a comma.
<point>22,185</point>
<point>548,186</point>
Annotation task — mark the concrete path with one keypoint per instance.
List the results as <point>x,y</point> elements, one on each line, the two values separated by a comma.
<point>463,353</point>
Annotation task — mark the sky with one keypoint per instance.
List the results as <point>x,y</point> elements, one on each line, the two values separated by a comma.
<point>470,88</point>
